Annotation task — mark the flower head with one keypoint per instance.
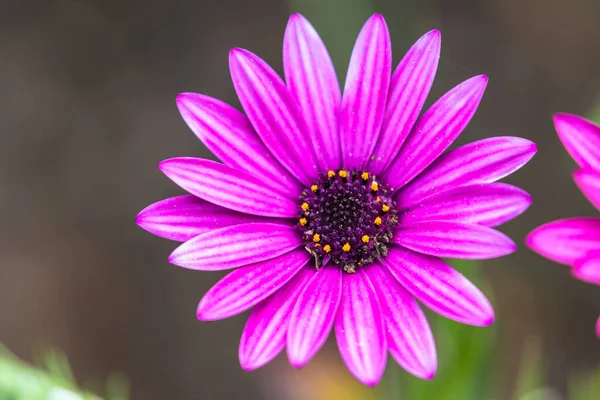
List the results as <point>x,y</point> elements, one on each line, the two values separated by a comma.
<point>576,241</point>
<point>334,209</point>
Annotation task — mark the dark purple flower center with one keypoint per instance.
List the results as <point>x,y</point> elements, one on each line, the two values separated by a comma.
<point>347,219</point>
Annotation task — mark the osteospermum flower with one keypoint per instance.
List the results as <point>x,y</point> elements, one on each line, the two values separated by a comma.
<point>334,209</point>
<point>576,241</point>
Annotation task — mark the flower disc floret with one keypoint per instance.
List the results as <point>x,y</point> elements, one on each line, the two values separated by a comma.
<point>347,219</point>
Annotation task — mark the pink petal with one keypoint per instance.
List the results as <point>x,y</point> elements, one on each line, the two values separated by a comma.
<point>266,330</point>
<point>409,336</point>
<point>455,240</point>
<point>228,187</point>
<point>228,134</point>
<point>359,329</point>
<point>490,204</point>
<point>365,93</point>
<point>313,315</point>
<point>245,287</point>
<point>589,183</point>
<point>274,114</point>
<point>409,88</point>
<point>311,78</point>
<point>183,217</point>
<point>235,246</point>
<point>598,328</point>
<point>436,130</point>
<point>588,270</point>
<point>440,287</point>
<point>566,241</point>
<point>479,162</point>
<point>581,138</point>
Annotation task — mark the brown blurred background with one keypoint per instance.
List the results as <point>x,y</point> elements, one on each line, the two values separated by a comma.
<point>87,110</point>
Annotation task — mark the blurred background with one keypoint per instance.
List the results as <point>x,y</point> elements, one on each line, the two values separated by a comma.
<point>88,109</point>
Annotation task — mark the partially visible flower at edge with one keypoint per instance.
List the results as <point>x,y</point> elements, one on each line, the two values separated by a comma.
<point>576,241</point>
<point>334,210</point>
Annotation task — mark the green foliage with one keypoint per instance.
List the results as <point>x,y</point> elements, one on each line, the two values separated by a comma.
<point>52,380</point>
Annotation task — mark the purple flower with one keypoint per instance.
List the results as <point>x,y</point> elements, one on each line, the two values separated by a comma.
<point>576,241</point>
<point>334,209</point>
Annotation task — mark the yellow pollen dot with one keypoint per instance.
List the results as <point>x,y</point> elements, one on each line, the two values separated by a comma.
<point>317,237</point>
<point>378,198</point>
<point>304,206</point>
<point>317,245</point>
<point>378,221</point>
<point>327,248</point>
<point>314,188</point>
<point>374,186</point>
<point>343,173</point>
<point>385,208</point>
<point>346,247</point>
<point>365,239</point>
<point>364,175</point>
<point>330,174</point>
<point>303,221</point>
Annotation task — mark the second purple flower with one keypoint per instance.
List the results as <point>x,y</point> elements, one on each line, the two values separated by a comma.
<point>334,210</point>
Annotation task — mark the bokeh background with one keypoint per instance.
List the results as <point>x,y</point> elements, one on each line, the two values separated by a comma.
<point>87,110</point>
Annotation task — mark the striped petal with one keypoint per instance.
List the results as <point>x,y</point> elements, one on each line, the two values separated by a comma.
<point>588,269</point>
<point>228,134</point>
<point>312,81</point>
<point>455,240</point>
<point>479,162</point>
<point>589,183</point>
<point>265,333</point>
<point>313,315</point>
<point>440,287</point>
<point>409,336</point>
<point>566,241</point>
<point>436,130</point>
<point>274,114</point>
<point>409,88</point>
<point>491,205</point>
<point>581,138</point>
<point>245,287</point>
<point>182,218</point>
<point>359,329</point>
<point>365,93</point>
<point>236,246</point>
<point>228,187</point>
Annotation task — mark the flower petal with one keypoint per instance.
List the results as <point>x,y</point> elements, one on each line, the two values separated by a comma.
<point>588,270</point>
<point>581,138</point>
<point>228,134</point>
<point>409,336</point>
<point>598,327</point>
<point>409,88</point>
<point>235,246</point>
<point>245,287</point>
<point>440,287</point>
<point>365,93</point>
<point>183,217</point>
<point>455,240</point>
<point>312,81</point>
<point>313,315</point>
<point>274,114</point>
<point>265,333</point>
<point>436,130</point>
<point>589,183</point>
<point>359,329</point>
<point>566,241</point>
<point>479,162</point>
<point>490,204</point>
<point>228,187</point>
